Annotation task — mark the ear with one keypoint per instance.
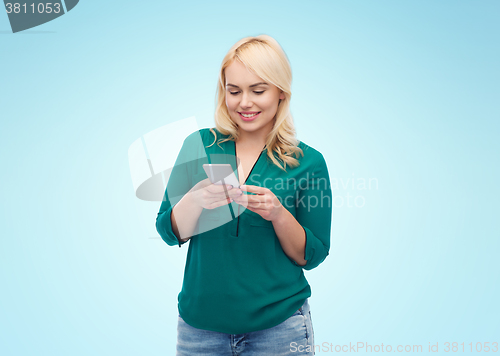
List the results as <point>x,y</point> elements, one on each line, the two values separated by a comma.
<point>282,96</point>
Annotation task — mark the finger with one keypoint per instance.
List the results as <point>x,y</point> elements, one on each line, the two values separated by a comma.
<point>218,192</point>
<point>218,188</point>
<point>244,201</point>
<point>256,198</point>
<point>254,189</point>
<point>202,184</point>
<point>235,193</point>
<point>262,206</point>
<point>213,198</point>
<point>219,203</point>
<point>251,198</point>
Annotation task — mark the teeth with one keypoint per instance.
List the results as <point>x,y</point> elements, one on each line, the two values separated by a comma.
<point>245,115</point>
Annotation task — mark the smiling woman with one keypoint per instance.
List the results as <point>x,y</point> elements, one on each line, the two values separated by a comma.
<point>256,77</point>
<point>244,290</point>
<point>251,100</point>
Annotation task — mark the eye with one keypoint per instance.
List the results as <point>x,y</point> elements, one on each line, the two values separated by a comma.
<point>258,92</point>
<point>233,92</point>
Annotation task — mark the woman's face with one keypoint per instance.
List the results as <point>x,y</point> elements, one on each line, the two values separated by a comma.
<point>252,103</point>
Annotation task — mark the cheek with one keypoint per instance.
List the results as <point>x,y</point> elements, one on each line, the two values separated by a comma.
<point>271,103</point>
<point>230,103</point>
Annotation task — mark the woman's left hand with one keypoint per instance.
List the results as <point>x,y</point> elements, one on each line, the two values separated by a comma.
<point>264,203</point>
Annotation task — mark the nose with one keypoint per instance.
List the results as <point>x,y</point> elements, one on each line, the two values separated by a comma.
<point>245,102</point>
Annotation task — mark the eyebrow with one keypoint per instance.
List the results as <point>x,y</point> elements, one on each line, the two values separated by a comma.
<point>251,86</point>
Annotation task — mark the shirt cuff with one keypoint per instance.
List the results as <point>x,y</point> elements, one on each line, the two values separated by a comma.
<point>314,251</point>
<point>166,230</point>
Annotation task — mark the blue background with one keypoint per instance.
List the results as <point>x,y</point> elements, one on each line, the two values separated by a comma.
<point>401,92</point>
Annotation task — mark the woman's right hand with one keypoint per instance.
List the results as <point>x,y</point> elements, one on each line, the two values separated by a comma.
<point>210,196</point>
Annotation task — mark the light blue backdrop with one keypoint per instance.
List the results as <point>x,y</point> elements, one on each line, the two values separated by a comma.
<point>401,92</point>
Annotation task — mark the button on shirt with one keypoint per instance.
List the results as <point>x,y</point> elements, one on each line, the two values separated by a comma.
<point>237,278</point>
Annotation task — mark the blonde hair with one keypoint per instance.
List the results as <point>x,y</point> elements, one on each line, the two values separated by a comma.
<point>263,56</point>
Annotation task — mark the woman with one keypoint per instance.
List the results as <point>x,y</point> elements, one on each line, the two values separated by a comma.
<point>244,290</point>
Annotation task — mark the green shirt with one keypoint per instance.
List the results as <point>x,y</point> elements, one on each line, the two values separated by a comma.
<point>237,279</point>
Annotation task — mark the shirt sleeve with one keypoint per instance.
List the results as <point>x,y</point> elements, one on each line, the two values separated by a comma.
<point>314,214</point>
<point>179,183</point>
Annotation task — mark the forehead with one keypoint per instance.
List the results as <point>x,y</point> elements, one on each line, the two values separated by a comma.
<point>238,74</point>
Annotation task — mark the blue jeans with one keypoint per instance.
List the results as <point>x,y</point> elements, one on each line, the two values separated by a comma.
<point>294,336</point>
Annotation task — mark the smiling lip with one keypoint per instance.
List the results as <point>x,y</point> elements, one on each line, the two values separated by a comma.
<point>249,113</point>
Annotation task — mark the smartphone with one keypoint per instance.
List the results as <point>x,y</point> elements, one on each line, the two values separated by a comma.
<point>221,174</point>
